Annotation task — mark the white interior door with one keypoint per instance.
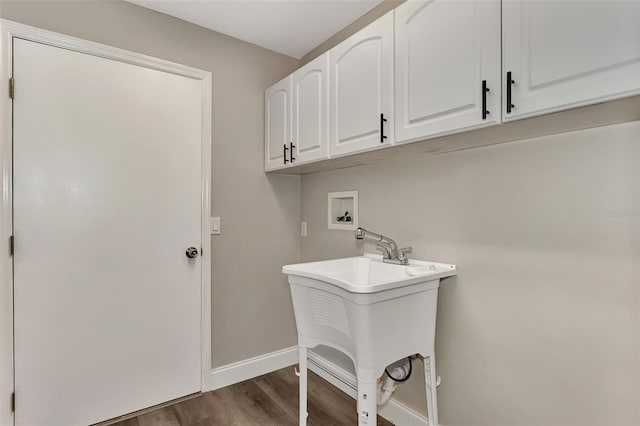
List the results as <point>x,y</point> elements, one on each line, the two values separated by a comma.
<point>107,197</point>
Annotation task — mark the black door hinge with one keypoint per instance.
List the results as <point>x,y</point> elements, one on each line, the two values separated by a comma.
<point>12,87</point>
<point>11,245</point>
<point>13,402</point>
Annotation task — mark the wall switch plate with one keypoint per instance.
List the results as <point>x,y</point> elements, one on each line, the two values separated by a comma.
<point>303,229</point>
<point>215,226</point>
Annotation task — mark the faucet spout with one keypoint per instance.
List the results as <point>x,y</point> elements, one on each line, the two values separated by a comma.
<point>391,254</point>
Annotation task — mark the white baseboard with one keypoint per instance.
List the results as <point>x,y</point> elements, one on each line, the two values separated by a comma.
<point>401,415</point>
<point>252,367</point>
<point>394,411</point>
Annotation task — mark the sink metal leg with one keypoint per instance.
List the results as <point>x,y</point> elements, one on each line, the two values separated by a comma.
<point>431,382</point>
<point>302,361</point>
<point>367,401</point>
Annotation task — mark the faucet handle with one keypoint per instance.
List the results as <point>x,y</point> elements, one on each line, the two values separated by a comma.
<point>386,254</point>
<point>404,260</point>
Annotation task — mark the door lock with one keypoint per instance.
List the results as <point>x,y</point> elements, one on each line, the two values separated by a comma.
<point>192,252</point>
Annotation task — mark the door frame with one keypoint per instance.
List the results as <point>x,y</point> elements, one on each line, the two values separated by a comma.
<point>9,30</point>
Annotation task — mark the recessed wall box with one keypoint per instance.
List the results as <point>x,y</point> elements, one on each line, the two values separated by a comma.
<point>343,210</point>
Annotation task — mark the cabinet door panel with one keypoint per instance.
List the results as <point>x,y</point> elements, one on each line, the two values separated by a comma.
<point>444,50</point>
<point>362,89</point>
<point>356,83</point>
<point>311,111</point>
<point>563,54</point>
<point>277,124</point>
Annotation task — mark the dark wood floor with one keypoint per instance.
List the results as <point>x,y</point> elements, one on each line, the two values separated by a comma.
<point>269,400</point>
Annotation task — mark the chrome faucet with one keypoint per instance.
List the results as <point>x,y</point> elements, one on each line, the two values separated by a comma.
<point>390,251</point>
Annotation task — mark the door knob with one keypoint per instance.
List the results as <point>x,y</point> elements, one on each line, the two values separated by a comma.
<point>192,252</point>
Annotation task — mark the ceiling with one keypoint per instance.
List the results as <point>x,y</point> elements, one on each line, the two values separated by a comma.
<point>291,27</point>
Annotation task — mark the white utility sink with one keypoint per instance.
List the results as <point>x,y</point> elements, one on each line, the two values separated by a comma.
<point>368,274</point>
<point>374,312</point>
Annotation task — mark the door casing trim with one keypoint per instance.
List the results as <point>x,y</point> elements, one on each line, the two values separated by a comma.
<point>9,30</point>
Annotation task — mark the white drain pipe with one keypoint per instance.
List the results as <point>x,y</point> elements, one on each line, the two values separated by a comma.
<point>385,392</point>
<point>399,373</point>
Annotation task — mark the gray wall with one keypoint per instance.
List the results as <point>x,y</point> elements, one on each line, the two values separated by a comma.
<point>540,327</point>
<point>252,312</point>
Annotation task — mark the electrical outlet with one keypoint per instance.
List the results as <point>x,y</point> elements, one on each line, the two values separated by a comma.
<point>303,229</point>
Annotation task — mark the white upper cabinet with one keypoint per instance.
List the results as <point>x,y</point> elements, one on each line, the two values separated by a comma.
<point>311,111</point>
<point>564,54</point>
<point>447,67</point>
<point>277,118</point>
<point>435,67</point>
<point>362,90</point>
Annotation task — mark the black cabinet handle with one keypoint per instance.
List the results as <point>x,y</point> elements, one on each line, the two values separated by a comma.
<point>382,121</point>
<point>485,89</point>
<point>285,153</point>
<point>291,152</point>
<point>509,83</point>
